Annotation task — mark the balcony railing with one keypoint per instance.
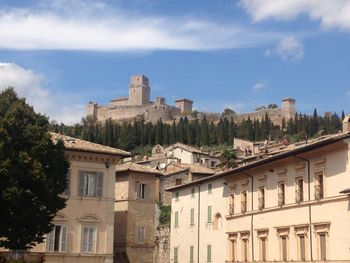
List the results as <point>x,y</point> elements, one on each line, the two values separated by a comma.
<point>244,206</point>
<point>261,203</point>
<point>318,192</point>
<point>281,199</point>
<point>298,196</point>
<point>231,209</point>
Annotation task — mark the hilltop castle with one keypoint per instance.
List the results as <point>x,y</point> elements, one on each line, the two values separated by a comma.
<point>138,105</point>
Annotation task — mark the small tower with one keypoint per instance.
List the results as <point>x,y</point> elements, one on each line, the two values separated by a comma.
<point>185,105</point>
<point>139,90</point>
<point>288,108</point>
<point>91,109</point>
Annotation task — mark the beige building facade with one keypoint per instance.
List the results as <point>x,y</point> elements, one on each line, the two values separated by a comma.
<point>290,206</point>
<point>83,231</point>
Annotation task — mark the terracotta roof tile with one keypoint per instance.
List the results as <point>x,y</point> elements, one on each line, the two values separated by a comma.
<point>134,167</point>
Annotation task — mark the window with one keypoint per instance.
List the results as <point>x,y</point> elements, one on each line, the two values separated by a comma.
<point>281,194</point>
<point>261,204</point>
<point>323,246</point>
<point>217,221</point>
<point>90,184</point>
<point>209,220</point>
<point>208,253</point>
<point>301,239</point>
<point>141,190</point>
<point>210,188</point>
<point>178,181</point>
<point>177,194</point>
<point>57,239</point>
<point>212,164</point>
<point>192,217</point>
<point>299,191</point>
<point>176,222</point>
<point>284,248</point>
<point>245,250</point>
<point>233,249</point>
<point>232,204</point>
<point>198,160</point>
<point>88,239</point>
<point>193,192</point>
<point>67,190</point>
<point>176,251</point>
<point>319,187</point>
<point>244,202</point>
<point>141,235</point>
<point>191,253</point>
<point>263,248</point>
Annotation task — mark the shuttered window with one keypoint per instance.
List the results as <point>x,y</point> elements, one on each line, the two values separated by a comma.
<point>176,251</point>
<point>176,222</point>
<point>192,217</point>
<point>191,253</point>
<point>57,239</point>
<point>323,246</point>
<point>284,247</point>
<point>245,250</point>
<point>263,248</point>
<point>67,190</point>
<point>302,247</point>
<point>141,235</point>
<point>209,216</point>
<point>210,188</point>
<point>233,250</point>
<point>88,239</point>
<point>90,184</point>
<point>208,253</point>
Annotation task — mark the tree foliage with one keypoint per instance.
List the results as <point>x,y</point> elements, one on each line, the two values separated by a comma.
<point>32,174</point>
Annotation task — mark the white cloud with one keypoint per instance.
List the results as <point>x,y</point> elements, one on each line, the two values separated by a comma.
<point>66,26</point>
<point>289,48</point>
<point>29,84</point>
<point>330,13</point>
<point>259,86</point>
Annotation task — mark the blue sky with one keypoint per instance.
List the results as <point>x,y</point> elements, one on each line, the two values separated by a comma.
<point>61,54</point>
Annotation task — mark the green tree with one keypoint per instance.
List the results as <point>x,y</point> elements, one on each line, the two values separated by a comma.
<point>227,112</point>
<point>32,174</point>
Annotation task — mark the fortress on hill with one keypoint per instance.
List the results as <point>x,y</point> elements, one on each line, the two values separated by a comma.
<point>138,105</point>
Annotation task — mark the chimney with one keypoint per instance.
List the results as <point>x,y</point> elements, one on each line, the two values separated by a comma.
<point>346,124</point>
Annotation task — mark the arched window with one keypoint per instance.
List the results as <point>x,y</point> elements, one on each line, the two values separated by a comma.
<point>217,221</point>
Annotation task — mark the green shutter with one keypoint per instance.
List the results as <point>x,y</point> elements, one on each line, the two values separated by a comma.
<point>176,224</point>
<point>191,253</point>
<point>99,185</point>
<point>192,216</point>
<point>175,255</point>
<point>209,214</point>
<point>208,253</point>
<point>210,187</point>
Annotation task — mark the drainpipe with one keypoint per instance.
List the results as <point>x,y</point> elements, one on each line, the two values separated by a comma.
<point>309,199</point>
<point>199,213</point>
<point>252,214</point>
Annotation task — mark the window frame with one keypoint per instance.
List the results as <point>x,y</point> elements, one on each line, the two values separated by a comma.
<point>62,239</point>
<point>94,238</point>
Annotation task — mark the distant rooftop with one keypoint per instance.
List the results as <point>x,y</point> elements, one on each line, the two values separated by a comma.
<point>134,167</point>
<point>71,143</point>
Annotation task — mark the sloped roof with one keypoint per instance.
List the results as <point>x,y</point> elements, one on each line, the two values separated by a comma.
<point>291,150</point>
<point>185,147</point>
<point>174,168</point>
<point>134,167</point>
<point>71,143</point>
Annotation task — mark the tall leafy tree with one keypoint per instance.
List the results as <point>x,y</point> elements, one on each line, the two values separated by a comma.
<point>32,174</point>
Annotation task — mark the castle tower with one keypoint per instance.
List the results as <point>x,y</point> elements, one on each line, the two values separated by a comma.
<point>288,108</point>
<point>139,90</point>
<point>91,109</point>
<point>185,105</point>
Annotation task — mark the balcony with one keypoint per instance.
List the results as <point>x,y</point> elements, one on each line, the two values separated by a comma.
<point>298,196</point>
<point>244,206</point>
<point>281,199</point>
<point>232,209</point>
<point>318,192</point>
<point>261,203</point>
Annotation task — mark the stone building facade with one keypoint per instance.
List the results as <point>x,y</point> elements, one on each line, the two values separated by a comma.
<point>139,105</point>
<point>289,207</point>
<point>135,219</point>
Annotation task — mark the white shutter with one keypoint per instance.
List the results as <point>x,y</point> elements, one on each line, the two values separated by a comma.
<point>84,238</point>
<point>63,238</point>
<point>81,183</point>
<point>99,185</point>
<point>51,240</point>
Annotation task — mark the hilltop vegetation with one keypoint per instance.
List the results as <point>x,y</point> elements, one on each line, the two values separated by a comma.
<point>139,136</point>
